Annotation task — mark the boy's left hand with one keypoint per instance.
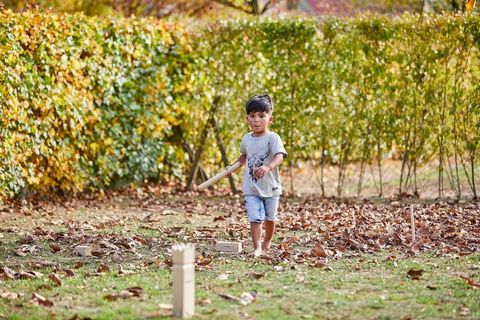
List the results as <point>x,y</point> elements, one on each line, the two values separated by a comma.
<point>261,171</point>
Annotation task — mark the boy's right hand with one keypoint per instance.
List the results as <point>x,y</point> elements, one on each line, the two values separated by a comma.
<point>231,173</point>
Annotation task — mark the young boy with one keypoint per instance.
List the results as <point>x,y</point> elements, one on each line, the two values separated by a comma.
<point>262,150</point>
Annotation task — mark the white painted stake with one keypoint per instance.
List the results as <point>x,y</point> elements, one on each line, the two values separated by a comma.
<point>412,221</point>
<point>183,270</point>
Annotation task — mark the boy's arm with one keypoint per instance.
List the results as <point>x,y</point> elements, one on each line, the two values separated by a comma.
<point>263,170</point>
<point>242,159</point>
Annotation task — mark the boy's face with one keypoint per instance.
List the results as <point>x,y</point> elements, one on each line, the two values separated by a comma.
<point>259,121</point>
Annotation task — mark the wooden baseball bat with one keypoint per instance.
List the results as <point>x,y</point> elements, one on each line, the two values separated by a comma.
<point>219,176</point>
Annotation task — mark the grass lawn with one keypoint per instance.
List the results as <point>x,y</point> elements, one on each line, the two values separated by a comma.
<point>133,241</point>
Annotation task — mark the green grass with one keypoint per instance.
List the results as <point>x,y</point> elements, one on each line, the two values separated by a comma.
<point>368,287</point>
<point>357,286</point>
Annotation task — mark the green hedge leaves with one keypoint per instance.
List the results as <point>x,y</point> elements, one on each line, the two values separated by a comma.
<point>90,103</point>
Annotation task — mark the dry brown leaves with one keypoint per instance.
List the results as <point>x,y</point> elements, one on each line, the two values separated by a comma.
<point>310,231</point>
<point>344,227</point>
<point>125,294</point>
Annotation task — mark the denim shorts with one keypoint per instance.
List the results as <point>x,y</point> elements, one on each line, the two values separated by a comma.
<point>260,209</point>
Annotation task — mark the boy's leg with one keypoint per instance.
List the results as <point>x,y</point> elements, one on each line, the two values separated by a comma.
<point>271,207</point>
<point>269,231</point>
<point>256,230</point>
<point>256,215</point>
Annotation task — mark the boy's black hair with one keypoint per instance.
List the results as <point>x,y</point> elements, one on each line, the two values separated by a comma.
<point>259,103</point>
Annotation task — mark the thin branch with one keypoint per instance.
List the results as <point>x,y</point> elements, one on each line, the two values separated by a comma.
<point>265,8</point>
<point>232,5</point>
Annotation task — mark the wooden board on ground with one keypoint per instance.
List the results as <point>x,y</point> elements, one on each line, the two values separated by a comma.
<point>84,251</point>
<point>228,246</point>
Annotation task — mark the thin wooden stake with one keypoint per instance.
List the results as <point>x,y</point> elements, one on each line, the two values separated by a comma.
<point>354,220</point>
<point>412,221</point>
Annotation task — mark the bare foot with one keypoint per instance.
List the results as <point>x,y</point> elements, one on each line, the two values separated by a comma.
<point>266,246</point>
<point>257,252</point>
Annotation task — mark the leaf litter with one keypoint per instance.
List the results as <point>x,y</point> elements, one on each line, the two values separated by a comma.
<point>310,231</point>
<point>322,229</point>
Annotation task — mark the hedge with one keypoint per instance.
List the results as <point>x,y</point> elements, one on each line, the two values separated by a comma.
<point>90,103</point>
<point>86,103</point>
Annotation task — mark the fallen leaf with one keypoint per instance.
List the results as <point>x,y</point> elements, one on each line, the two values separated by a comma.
<point>205,302</point>
<point>27,275</point>
<point>414,274</point>
<point>202,261</point>
<point>55,278</point>
<point>300,278</point>
<point>319,251</point>
<point>44,286</point>
<point>320,263</point>
<point>9,295</point>
<point>137,291</point>
<point>246,298</point>
<point>464,311</point>
<point>165,306</point>
<point>7,273</point>
<point>228,297</point>
<point>26,240</point>
<point>168,262</point>
<point>46,263</point>
<point>124,294</point>
<point>222,277</point>
<point>25,249</point>
<point>69,273</point>
<point>103,268</point>
<point>55,247</point>
<point>113,296</point>
<point>150,218</point>
<point>470,282</point>
<point>256,275</point>
<point>39,299</point>
<point>124,272</point>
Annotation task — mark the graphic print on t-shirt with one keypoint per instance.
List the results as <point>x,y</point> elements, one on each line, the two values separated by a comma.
<point>255,161</point>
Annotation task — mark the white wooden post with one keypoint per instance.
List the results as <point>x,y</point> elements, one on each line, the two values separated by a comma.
<point>183,270</point>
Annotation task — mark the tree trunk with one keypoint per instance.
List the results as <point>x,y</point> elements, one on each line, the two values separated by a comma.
<point>472,166</point>
<point>322,167</point>
<point>256,7</point>
<point>404,162</point>
<point>198,153</point>
<point>379,164</point>
<point>196,159</point>
<point>191,156</point>
<point>292,4</point>
<point>223,152</point>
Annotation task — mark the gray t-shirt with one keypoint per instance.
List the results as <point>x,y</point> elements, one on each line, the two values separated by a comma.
<point>260,151</point>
